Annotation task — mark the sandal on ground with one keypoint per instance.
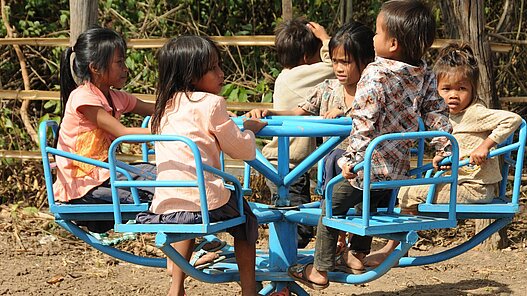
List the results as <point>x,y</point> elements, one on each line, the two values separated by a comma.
<point>212,245</point>
<point>298,273</point>
<point>199,254</point>
<point>342,266</point>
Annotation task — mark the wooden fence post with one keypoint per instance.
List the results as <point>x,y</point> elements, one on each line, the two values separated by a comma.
<point>287,10</point>
<point>83,14</point>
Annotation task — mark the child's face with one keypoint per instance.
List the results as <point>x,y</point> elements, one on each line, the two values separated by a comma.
<point>456,91</point>
<point>345,68</point>
<point>382,42</point>
<point>212,81</point>
<point>117,72</point>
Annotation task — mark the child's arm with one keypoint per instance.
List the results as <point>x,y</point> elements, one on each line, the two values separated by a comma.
<point>261,113</point>
<point>143,108</point>
<point>108,123</point>
<point>500,123</point>
<point>321,34</point>
<point>333,113</point>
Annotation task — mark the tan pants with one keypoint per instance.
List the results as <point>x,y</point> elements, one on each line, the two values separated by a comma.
<point>410,197</point>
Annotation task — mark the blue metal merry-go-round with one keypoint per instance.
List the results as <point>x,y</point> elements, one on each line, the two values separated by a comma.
<point>273,261</point>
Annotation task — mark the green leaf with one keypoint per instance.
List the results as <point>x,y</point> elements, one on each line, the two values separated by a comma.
<point>233,96</point>
<point>267,98</point>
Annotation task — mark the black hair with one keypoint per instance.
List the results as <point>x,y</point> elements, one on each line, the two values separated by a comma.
<point>410,22</point>
<point>357,41</point>
<point>182,61</point>
<point>458,59</point>
<point>294,41</point>
<point>95,47</point>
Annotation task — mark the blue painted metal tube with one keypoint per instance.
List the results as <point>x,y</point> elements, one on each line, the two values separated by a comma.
<point>309,161</point>
<point>116,253</point>
<point>366,165</point>
<point>522,138</point>
<point>48,178</point>
<point>406,242</point>
<point>283,170</point>
<point>144,146</point>
<point>149,138</point>
<point>457,250</point>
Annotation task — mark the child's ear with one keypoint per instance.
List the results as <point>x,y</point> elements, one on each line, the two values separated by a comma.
<point>394,45</point>
<point>93,69</point>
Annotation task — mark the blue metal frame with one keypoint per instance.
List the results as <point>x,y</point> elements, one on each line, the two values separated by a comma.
<point>272,264</point>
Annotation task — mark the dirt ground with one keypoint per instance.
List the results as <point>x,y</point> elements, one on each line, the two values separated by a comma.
<point>37,258</point>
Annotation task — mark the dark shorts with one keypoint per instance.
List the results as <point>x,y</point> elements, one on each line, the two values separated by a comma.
<point>102,194</point>
<point>247,231</point>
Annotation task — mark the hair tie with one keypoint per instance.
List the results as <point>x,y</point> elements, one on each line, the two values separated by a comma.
<point>72,66</point>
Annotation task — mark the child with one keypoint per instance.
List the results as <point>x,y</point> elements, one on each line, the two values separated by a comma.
<point>301,48</point>
<point>90,119</point>
<point>477,130</point>
<point>187,104</point>
<point>350,50</point>
<point>392,93</point>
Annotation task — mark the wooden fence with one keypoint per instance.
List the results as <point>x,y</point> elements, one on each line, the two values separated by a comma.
<point>261,40</point>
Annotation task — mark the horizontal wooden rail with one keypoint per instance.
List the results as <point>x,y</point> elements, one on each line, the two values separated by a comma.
<point>43,95</point>
<point>256,40</point>
<point>36,155</point>
<point>513,99</point>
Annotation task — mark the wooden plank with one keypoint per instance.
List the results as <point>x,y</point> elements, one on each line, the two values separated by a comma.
<point>255,40</point>
<point>514,99</point>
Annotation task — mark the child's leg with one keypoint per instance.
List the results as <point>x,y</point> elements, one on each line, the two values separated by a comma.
<point>376,258</point>
<point>246,258</point>
<point>177,287</point>
<point>344,197</point>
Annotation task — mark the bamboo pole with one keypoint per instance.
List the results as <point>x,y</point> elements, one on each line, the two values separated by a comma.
<point>256,40</point>
<point>25,75</point>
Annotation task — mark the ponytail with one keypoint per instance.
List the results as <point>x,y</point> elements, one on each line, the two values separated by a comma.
<point>67,82</point>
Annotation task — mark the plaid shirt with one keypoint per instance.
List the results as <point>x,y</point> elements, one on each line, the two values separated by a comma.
<point>391,96</point>
<point>326,96</point>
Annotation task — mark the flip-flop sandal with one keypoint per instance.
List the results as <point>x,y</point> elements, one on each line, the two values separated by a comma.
<point>202,253</point>
<point>298,273</point>
<point>340,265</point>
<point>203,245</point>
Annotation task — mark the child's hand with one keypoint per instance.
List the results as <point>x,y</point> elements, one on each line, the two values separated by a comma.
<point>258,113</point>
<point>435,163</point>
<point>333,113</point>
<point>347,171</point>
<point>254,125</point>
<point>318,31</point>
<point>479,156</point>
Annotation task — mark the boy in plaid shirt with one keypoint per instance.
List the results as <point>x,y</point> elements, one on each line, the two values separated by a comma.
<point>394,91</point>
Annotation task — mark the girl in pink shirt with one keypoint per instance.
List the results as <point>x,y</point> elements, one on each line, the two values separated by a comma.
<point>188,104</point>
<point>90,118</point>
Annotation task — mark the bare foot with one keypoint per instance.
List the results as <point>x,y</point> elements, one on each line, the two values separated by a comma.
<point>375,259</point>
<point>313,275</point>
<point>354,261</point>
<point>204,258</point>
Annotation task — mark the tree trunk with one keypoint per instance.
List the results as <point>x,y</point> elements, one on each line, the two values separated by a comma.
<point>346,11</point>
<point>83,14</point>
<point>287,10</point>
<point>448,14</point>
<point>471,21</point>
